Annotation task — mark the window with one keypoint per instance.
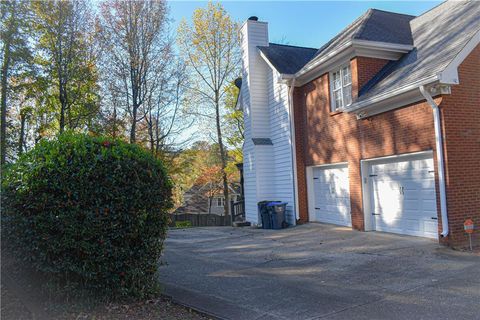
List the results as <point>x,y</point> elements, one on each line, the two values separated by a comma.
<point>220,201</point>
<point>341,86</point>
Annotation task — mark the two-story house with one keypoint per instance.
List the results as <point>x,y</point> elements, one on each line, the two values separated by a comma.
<point>378,129</point>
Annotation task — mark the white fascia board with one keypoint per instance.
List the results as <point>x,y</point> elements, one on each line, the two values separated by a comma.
<point>382,46</point>
<point>286,78</point>
<point>450,74</point>
<point>316,66</point>
<point>264,57</point>
<point>377,100</point>
<point>346,51</point>
<point>283,78</point>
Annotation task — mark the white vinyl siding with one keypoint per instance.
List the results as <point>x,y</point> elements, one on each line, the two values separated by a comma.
<point>254,109</point>
<point>341,87</point>
<point>267,168</point>
<point>250,181</point>
<point>281,137</point>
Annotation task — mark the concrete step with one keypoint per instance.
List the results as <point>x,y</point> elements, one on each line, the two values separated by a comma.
<point>241,224</point>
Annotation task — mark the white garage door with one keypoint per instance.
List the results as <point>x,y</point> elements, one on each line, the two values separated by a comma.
<point>403,197</point>
<point>332,196</point>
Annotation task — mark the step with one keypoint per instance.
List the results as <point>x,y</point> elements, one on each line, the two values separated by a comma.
<point>241,224</point>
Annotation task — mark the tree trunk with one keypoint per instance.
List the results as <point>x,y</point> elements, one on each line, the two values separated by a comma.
<point>133,137</point>
<point>3,118</point>
<point>63,104</point>
<point>223,155</point>
<point>114,126</point>
<point>62,119</point>
<point>150,134</point>
<point>21,139</point>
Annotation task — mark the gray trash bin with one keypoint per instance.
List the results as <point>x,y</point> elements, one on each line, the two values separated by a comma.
<point>264,213</point>
<point>277,214</point>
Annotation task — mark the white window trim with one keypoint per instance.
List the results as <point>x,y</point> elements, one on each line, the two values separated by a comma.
<point>216,202</point>
<point>333,106</point>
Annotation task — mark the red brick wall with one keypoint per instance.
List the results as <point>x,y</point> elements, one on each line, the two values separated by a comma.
<point>323,137</point>
<point>299,121</point>
<point>364,69</point>
<point>461,126</point>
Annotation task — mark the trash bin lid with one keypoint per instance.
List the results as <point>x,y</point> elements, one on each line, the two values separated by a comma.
<point>276,203</point>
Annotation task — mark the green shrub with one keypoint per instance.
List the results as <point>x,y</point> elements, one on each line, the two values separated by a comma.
<point>183,224</point>
<point>89,213</point>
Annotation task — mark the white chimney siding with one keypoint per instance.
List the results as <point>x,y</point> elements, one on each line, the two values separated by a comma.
<point>268,169</point>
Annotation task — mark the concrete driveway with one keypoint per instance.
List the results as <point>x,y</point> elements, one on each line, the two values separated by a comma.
<point>317,271</point>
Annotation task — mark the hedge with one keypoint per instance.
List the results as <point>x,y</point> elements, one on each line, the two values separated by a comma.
<point>89,213</point>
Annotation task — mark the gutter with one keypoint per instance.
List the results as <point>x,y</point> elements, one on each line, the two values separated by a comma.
<point>357,106</point>
<point>440,160</point>
<point>294,157</point>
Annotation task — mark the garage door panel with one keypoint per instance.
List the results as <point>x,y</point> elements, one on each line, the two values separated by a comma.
<point>411,204</point>
<point>430,206</point>
<point>428,194</point>
<point>431,227</point>
<point>332,196</point>
<point>403,197</point>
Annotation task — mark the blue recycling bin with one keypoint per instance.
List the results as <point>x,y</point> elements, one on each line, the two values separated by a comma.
<point>277,214</point>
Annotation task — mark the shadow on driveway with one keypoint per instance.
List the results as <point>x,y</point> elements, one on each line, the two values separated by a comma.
<point>318,271</point>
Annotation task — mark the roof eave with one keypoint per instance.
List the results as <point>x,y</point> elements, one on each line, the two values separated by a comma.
<point>391,99</point>
<point>450,73</point>
<point>314,64</point>
<point>264,57</point>
<point>409,93</point>
<point>282,77</point>
<point>346,51</point>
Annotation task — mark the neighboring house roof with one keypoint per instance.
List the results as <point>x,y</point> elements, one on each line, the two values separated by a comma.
<point>438,36</point>
<point>196,199</point>
<point>287,59</point>
<point>373,25</point>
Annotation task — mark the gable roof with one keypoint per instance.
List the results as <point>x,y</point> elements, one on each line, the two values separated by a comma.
<point>434,40</point>
<point>373,25</point>
<point>287,59</point>
<point>438,37</point>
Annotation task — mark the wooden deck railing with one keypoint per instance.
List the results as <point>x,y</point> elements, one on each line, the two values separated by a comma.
<point>237,210</point>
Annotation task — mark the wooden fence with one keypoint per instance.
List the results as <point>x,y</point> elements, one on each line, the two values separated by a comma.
<point>199,220</point>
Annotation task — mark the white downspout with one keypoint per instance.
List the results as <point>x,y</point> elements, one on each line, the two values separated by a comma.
<point>294,156</point>
<point>440,161</point>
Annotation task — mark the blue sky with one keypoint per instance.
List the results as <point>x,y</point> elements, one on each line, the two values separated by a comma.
<point>303,23</point>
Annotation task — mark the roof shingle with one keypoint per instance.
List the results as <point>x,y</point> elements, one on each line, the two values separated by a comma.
<point>373,25</point>
<point>287,59</point>
<point>438,36</point>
